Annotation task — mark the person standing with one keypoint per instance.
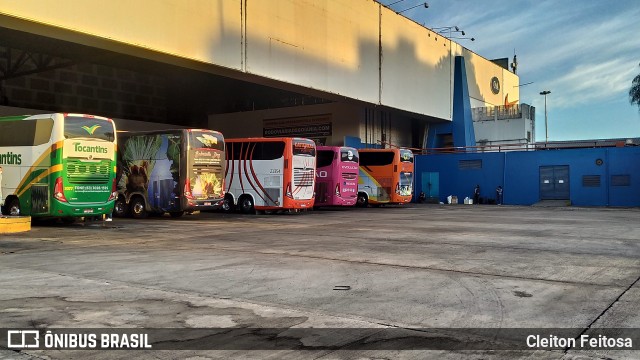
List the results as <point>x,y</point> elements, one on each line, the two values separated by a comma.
<point>476,195</point>
<point>499,195</point>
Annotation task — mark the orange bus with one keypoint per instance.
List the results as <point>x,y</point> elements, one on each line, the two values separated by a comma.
<point>269,174</point>
<point>386,176</point>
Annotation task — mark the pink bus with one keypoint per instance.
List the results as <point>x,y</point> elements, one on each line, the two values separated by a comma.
<point>336,176</point>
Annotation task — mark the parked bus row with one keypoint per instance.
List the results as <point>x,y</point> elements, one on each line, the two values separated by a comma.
<point>178,171</point>
<point>64,165</point>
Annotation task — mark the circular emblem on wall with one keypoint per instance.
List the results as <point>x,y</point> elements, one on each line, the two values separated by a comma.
<point>495,85</point>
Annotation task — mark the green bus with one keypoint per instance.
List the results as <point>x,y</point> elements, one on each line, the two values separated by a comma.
<point>57,165</point>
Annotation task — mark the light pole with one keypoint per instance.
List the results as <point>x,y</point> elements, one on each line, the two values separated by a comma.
<point>546,129</point>
<point>463,38</point>
<point>426,6</point>
<point>449,30</point>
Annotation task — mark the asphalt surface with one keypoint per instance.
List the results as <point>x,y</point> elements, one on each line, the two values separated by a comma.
<point>437,268</point>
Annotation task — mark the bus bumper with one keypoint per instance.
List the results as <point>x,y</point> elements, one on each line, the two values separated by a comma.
<point>78,210</point>
<point>299,204</point>
<point>340,201</point>
<point>202,205</point>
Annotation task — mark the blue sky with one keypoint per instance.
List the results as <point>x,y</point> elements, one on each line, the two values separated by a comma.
<point>585,52</point>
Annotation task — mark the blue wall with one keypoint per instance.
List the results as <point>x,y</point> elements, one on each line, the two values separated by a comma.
<point>519,174</point>
<point>355,142</point>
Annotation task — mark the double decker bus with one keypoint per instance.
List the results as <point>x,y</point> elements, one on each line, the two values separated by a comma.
<point>270,174</point>
<point>386,176</point>
<point>336,176</point>
<point>169,171</point>
<point>57,165</point>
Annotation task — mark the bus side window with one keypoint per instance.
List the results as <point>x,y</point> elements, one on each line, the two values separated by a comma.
<point>272,150</point>
<point>325,158</point>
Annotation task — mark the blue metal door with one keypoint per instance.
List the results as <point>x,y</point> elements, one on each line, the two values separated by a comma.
<point>431,185</point>
<point>554,182</point>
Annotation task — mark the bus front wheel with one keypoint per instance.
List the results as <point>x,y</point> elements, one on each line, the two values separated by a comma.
<point>137,208</point>
<point>227,204</point>
<point>120,207</point>
<point>363,200</point>
<point>246,205</point>
<point>13,208</point>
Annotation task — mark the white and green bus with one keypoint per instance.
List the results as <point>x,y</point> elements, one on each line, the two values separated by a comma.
<point>57,165</point>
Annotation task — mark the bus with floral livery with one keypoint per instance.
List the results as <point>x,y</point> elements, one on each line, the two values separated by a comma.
<point>170,171</point>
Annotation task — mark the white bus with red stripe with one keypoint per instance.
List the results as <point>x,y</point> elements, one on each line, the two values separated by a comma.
<point>269,174</point>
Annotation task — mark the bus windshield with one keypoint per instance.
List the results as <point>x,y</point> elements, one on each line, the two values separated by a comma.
<point>88,127</point>
<point>304,147</point>
<point>406,156</point>
<point>347,154</point>
<point>406,182</point>
<point>206,140</point>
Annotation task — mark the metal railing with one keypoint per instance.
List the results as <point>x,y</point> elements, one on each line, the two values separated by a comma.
<point>489,113</point>
<point>514,147</point>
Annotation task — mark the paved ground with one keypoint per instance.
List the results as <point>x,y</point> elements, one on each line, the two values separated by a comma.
<point>424,266</point>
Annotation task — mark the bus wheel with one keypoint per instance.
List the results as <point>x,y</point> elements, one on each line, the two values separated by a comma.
<point>176,214</point>
<point>120,207</point>
<point>13,208</point>
<point>362,201</point>
<point>137,208</point>
<point>227,204</point>
<point>246,205</point>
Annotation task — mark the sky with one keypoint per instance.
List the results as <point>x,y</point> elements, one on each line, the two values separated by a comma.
<point>585,52</point>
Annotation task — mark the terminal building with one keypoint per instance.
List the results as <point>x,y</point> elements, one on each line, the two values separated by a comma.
<point>333,71</point>
<point>339,72</point>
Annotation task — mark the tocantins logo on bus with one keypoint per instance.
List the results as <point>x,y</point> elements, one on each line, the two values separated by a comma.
<point>10,158</point>
<point>92,129</point>
<point>90,149</point>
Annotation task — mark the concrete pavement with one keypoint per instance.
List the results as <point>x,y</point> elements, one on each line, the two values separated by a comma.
<point>420,266</point>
